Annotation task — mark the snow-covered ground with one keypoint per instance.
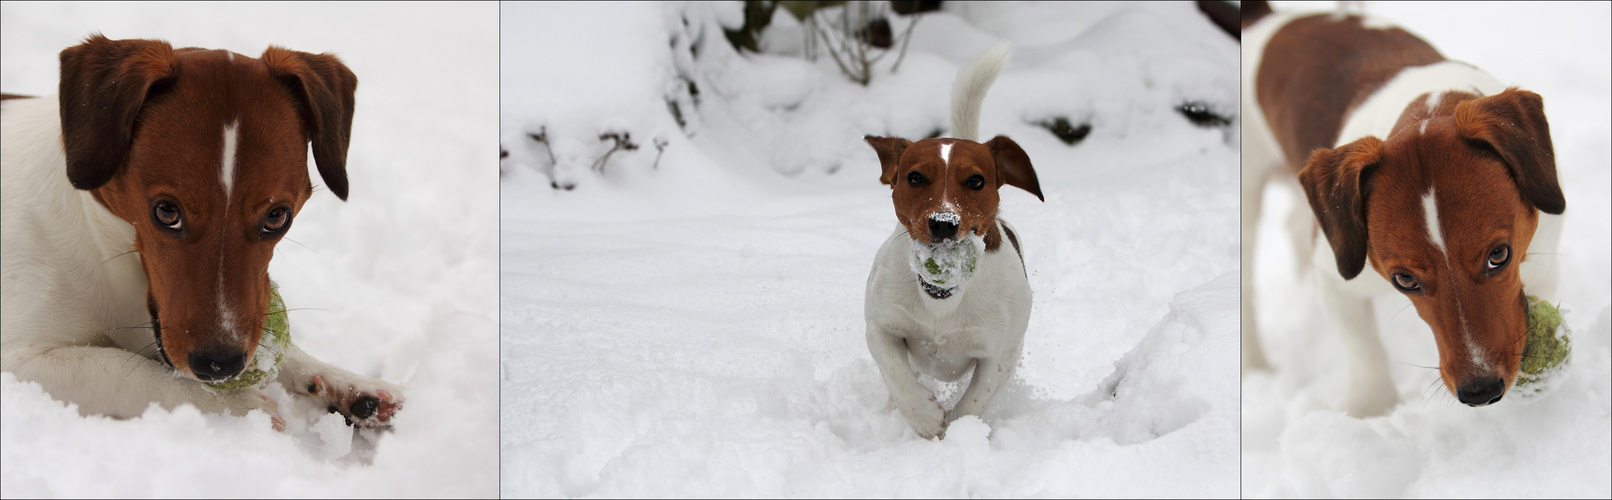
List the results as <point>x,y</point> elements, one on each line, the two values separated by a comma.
<point>1296,442</point>
<point>689,323</point>
<point>398,282</point>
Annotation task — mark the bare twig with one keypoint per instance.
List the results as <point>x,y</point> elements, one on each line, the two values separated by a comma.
<point>660,149</point>
<point>906,39</point>
<point>623,142</point>
<point>542,136</point>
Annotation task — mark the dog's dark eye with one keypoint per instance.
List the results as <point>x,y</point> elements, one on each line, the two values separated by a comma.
<point>166,214</point>
<point>916,179</point>
<point>276,220</point>
<point>975,182</point>
<point>1406,283</point>
<point>1499,257</point>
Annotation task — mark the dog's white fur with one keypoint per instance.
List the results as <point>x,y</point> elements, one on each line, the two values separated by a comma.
<point>980,326</point>
<point>75,293</point>
<point>1347,303</point>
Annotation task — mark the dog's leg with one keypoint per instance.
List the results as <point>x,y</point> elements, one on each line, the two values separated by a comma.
<point>989,375</point>
<point>364,401</point>
<point>916,402</point>
<point>116,382</point>
<point>1371,388</point>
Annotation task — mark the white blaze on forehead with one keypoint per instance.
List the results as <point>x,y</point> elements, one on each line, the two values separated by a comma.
<point>227,173</point>
<point>946,153</point>
<point>1435,231</point>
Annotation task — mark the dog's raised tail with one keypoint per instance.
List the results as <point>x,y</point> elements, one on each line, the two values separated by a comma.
<point>968,92</point>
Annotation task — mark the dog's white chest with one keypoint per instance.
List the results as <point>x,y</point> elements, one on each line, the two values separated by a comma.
<point>985,317</point>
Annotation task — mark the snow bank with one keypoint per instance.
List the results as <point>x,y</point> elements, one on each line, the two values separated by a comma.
<point>395,283</point>
<point>695,328</point>
<point>1296,442</point>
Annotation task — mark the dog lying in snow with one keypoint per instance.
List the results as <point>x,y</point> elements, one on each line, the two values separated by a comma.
<point>141,208</point>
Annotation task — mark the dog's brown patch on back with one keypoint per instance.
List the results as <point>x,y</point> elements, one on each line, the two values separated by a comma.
<point>1317,69</point>
<point>1014,239</point>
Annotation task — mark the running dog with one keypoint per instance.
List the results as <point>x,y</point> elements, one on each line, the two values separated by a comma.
<point>948,291</point>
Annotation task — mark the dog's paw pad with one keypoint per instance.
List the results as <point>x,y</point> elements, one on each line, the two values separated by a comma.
<point>373,406</point>
<point>365,407</point>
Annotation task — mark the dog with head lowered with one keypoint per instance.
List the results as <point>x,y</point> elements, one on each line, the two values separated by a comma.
<point>948,291</point>
<point>1427,172</point>
<point>141,207</point>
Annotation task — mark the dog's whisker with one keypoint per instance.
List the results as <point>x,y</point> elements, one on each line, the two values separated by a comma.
<point>140,356</point>
<point>296,309</point>
<point>114,257</point>
<point>1399,312</point>
<point>1431,386</point>
<point>310,249</point>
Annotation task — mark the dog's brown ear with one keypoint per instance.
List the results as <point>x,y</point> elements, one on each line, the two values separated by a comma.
<point>104,85</point>
<point>1512,123</point>
<point>324,89</point>
<point>889,150</point>
<point>1013,166</point>
<point>1335,181</point>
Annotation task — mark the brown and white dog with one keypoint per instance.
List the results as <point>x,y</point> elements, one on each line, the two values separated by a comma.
<point>141,208</point>
<point>945,194</point>
<point>1429,170</point>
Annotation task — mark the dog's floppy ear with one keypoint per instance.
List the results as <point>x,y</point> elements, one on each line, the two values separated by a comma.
<point>1512,123</point>
<point>1013,166</point>
<point>104,85</point>
<point>1335,181</point>
<point>890,150</point>
<point>324,88</point>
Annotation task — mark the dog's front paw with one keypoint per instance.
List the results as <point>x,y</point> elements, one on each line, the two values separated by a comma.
<point>363,401</point>
<point>926,417</point>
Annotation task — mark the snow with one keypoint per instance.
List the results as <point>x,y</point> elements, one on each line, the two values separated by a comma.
<point>395,283</point>
<point>688,322</point>
<point>1296,441</point>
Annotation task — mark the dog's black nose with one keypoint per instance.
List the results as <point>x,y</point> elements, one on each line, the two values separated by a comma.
<point>1481,392</point>
<point>217,363</point>
<point>941,228</point>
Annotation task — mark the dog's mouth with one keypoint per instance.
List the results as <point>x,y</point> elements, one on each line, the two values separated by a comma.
<point>156,331</point>
<point>943,267</point>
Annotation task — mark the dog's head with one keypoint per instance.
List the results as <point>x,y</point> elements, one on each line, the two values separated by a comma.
<point>1444,210</point>
<point>946,189</point>
<point>204,152</point>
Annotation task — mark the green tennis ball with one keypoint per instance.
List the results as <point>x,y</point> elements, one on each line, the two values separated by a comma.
<point>270,349</point>
<point>1547,346</point>
<point>945,263</point>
